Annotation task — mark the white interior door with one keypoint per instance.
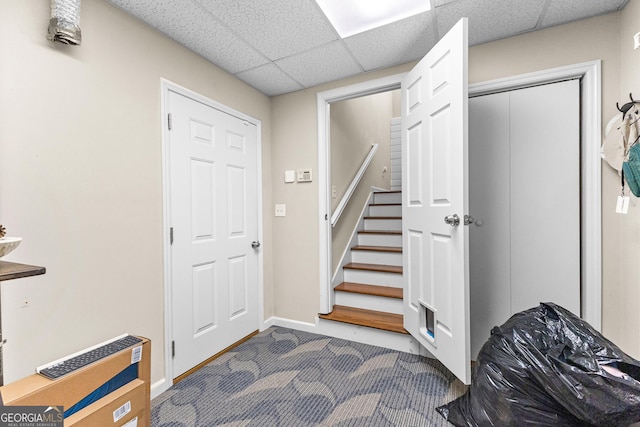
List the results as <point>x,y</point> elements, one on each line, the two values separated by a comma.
<point>214,217</point>
<point>524,170</point>
<point>434,176</point>
<point>545,196</point>
<point>489,237</point>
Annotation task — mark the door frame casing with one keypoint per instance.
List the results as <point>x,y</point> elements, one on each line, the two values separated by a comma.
<point>324,101</point>
<point>589,74</point>
<point>591,172</point>
<point>167,86</point>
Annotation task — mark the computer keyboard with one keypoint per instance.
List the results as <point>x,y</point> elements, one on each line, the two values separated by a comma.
<point>78,360</point>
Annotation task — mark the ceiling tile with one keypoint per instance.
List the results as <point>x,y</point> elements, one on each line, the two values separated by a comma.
<point>561,11</point>
<point>244,37</point>
<point>197,30</point>
<point>269,79</point>
<point>153,12</point>
<point>278,28</point>
<point>398,43</point>
<point>323,64</point>
<point>490,20</point>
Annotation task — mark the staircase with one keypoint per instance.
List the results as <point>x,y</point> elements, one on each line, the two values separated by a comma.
<point>368,303</point>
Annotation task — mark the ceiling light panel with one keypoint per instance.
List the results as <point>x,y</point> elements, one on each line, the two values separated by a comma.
<point>356,16</point>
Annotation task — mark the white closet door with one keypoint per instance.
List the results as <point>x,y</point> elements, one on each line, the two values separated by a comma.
<point>489,240</point>
<point>545,196</point>
<point>524,192</point>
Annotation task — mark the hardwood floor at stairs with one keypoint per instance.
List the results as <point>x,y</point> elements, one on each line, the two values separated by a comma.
<point>373,319</point>
<point>377,290</point>
<point>374,267</point>
<point>382,217</point>
<point>377,248</point>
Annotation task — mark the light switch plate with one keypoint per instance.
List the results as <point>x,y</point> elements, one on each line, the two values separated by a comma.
<point>289,176</point>
<point>636,41</point>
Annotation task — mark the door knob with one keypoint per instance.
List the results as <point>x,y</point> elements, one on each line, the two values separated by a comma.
<point>255,244</point>
<point>452,220</point>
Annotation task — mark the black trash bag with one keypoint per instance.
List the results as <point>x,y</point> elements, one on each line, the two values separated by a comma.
<point>546,367</point>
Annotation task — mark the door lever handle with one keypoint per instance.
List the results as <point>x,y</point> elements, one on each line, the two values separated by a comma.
<point>255,244</point>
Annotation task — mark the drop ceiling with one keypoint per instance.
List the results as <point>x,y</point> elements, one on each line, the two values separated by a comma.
<point>281,46</point>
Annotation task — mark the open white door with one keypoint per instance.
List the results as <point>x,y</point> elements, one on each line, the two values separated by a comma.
<point>435,201</point>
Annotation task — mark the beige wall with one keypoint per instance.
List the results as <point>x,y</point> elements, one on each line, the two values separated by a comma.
<point>356,124</point>
<point>622,256</point>
<point>587,40</point>
<point>81,177</point>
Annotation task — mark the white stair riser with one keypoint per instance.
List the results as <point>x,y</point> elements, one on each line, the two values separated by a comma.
<point>380,239</point>
<point>385,210</point>
<point>369,302</point>
<point>362,334</point>
<point>373,278</point>
<point>387,198</point>
<point>376,257</point>
<point>383,224</point>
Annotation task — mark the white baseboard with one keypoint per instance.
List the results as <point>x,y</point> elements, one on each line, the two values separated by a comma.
<point>292,324</point>
<point>159,387</point>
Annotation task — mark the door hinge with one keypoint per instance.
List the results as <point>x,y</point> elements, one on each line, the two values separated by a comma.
<point>171,236</point>
<point>169,120</point>
<point>173,349</point>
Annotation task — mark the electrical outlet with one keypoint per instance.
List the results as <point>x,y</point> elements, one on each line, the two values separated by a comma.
<point>334,192</point>
<point>281,210</point>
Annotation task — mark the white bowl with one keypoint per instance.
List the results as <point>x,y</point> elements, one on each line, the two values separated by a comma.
<point>7,244</point>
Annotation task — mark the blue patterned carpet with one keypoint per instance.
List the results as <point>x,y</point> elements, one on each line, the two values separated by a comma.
<point>285,377</point>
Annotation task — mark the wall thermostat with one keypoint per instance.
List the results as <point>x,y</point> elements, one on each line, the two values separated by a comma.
<point>304,175</point>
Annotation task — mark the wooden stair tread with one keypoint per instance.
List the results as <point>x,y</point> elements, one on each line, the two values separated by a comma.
<point>395,249</point>
<point>382,217</point>
<point>370,318</point>
<point>380,231</point>
<point>375,290</point>
<point>374,267</point>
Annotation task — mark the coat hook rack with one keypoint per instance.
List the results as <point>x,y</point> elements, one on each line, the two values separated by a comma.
<point>626,107</point>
